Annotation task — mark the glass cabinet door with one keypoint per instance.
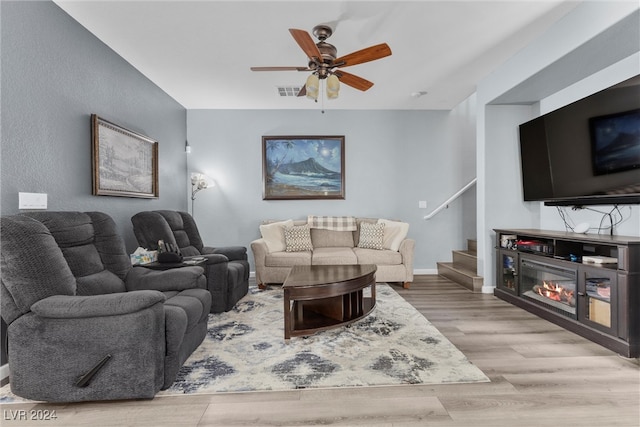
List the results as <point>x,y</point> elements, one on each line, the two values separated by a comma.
<point>598,288</point>
<point>508,270</point>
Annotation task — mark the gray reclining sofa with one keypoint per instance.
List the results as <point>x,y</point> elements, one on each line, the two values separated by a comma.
<point>227,268</point>
<point>83,324</point>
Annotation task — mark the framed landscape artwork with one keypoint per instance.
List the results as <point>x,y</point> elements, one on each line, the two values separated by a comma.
<point>302,167</point>
<point>125,163</point>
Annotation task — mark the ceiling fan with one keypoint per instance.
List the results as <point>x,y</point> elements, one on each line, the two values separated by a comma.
<point>324,65</point>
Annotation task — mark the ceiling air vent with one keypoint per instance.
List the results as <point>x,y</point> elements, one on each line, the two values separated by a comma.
<point>288,90</point>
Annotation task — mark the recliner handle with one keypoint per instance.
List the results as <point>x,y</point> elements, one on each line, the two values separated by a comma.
<point>85,379</point>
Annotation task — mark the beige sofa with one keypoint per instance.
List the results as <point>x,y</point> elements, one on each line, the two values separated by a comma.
<point>334,245</point>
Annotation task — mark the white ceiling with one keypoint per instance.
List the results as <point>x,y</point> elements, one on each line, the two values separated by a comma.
<point>200,52</point>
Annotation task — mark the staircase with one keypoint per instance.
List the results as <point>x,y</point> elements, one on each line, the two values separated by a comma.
<point>463,270</point>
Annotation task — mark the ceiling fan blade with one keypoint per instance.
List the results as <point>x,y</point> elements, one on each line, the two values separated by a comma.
<point>365,55</point>
<point>353,80</point>
<point>305,41</point>
<point>303,91</point>
<point>280,69</point>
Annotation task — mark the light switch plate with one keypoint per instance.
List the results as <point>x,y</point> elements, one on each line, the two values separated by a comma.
<point>32,200</point>
<point>422,204</point>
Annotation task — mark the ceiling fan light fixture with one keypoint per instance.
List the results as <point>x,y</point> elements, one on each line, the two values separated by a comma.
<point>323,63</point>
<point>313,86</point>
<point>333,86</point>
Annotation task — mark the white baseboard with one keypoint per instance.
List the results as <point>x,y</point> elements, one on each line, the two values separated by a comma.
<point>425,271</point>
<point>487,289</point>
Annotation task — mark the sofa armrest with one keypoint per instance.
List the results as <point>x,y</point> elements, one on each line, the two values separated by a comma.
<point>78,348</point>
<point>260,250</point>
<point>234,253</point>
<point>215,258</point>
<point>406,249</point>
<point>175,279</point>
<point>77,307</point>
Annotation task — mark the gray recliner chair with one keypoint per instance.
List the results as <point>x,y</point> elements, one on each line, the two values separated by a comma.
<point>83,324</point>
<point>227,268</point>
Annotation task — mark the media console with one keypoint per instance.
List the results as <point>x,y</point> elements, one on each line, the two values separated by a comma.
<point>586,283</point>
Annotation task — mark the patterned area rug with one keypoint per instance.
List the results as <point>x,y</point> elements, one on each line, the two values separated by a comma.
<point>245,350</point>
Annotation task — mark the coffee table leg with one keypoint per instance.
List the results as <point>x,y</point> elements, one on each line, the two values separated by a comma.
<point>287,316</point>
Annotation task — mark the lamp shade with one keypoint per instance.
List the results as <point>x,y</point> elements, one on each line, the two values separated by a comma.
<point>313,85</point>
<point>200,182</point>
<point>333,86</point>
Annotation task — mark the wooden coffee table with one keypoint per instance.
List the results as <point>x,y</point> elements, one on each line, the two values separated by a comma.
<point>319,297</point>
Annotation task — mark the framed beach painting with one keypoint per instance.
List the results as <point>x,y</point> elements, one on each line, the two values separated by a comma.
<point>302,167</point>
<point>125,163</point>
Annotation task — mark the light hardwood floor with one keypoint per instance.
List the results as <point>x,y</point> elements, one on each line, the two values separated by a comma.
<point>541,375</point>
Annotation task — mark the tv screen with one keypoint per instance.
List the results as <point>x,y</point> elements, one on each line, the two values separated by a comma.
<point>615,142</point>
<point>587,152</point>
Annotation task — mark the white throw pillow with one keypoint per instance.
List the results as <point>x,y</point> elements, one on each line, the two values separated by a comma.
<point>273,235</point>
<point>394,233</point>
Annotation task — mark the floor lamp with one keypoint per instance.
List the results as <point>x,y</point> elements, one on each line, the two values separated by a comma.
<point>199,182</point>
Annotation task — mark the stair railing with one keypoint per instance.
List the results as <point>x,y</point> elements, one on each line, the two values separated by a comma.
<point>446,203</point>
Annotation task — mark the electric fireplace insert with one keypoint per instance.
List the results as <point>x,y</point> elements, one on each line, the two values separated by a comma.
<point>549,285</point>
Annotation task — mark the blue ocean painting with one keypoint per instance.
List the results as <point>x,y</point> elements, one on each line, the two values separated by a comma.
<point>303,167</point>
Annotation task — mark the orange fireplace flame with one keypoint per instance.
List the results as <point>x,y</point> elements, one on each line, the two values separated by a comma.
<point>555,291</point>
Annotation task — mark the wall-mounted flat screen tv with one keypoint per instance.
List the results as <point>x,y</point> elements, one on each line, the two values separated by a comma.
<point>615,142</point>
<point>587,152</point>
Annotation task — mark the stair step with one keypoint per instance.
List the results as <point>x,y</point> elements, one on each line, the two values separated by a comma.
<point>465,259</point>
<point>463,276</point>
<point>472,245</point>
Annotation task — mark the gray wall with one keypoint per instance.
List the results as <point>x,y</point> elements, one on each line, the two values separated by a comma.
<point>55,74</point>
<point>393,160</point>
